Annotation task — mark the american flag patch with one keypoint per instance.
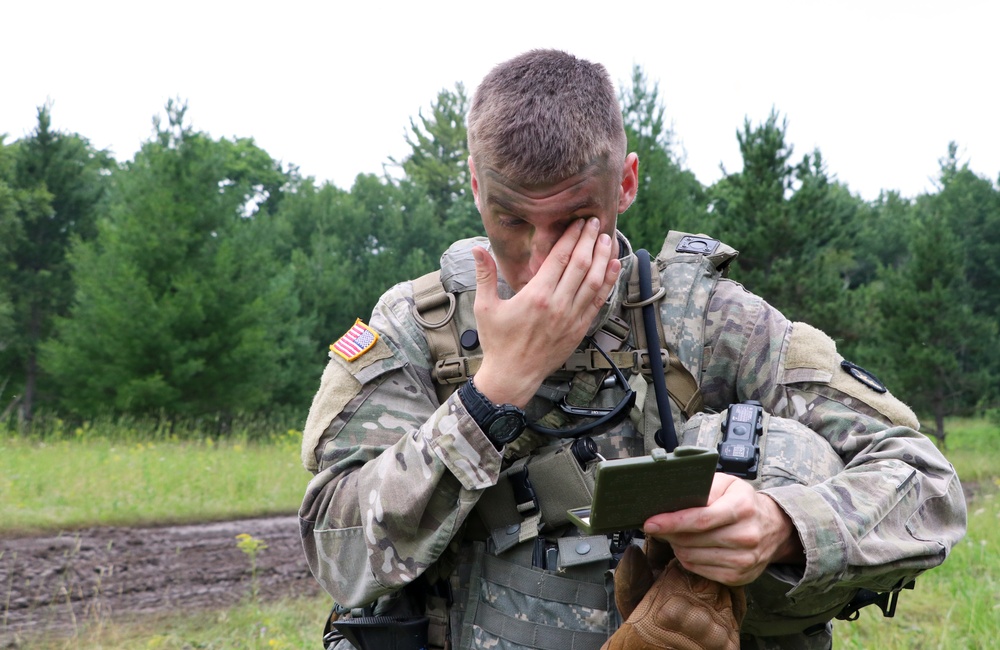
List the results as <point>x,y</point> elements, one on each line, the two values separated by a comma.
<point>358,340</point>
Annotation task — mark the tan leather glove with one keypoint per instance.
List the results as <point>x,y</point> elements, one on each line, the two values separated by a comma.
<point>666,607</point>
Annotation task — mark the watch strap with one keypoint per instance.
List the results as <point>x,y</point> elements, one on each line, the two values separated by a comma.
<point>486,413</point>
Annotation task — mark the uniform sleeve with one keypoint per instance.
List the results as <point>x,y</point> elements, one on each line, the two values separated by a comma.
<point>896,509</point>
<point>397,473</point>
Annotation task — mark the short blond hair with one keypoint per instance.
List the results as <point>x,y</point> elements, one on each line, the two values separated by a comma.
<point>544,116</point>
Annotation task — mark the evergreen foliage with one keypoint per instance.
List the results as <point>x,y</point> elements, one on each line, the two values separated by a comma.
<point>438,163</point>
<point>51,186</point>
<point>929,343</point>
<point>181,306</point>
<point>970,204</point>
<point>670,197</point>
<point>795,229</point>
<point>10,200</point>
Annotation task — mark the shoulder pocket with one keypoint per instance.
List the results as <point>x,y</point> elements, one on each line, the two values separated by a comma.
<point>342,381</point>
<point>812,357</point>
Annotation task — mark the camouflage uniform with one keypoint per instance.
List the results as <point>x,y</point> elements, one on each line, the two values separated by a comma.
<point>399,474</point>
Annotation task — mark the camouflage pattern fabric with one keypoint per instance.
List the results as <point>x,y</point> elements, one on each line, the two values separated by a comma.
<point>791,454</point>
<point>398,474</point>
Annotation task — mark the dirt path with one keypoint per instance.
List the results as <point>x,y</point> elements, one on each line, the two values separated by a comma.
<point>56,581</point>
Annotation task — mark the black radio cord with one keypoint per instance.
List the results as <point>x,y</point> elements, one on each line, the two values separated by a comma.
<point>666,436</point>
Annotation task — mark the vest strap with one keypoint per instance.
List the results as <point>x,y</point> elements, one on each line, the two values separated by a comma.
<point>434,310</point>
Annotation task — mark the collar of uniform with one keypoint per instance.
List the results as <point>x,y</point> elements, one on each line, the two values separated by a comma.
<point>613,305</point>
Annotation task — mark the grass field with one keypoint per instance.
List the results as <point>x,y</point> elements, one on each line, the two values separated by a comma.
<point>289,624</point>
<point>83,477</point>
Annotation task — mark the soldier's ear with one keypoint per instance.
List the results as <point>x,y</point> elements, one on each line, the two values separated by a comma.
<point>630,182</point>
<point>475,183</point>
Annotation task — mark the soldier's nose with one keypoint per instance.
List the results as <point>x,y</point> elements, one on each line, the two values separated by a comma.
<point>539,251</point>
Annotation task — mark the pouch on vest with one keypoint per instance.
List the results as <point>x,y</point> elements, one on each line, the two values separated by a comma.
<point>542,484</point>
<point>507,597</point>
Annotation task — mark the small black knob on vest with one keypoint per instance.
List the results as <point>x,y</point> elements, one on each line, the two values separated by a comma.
<point>469,340</point>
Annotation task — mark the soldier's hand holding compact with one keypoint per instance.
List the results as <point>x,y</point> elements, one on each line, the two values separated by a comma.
<point>526,338</point>
<point>734,537</point>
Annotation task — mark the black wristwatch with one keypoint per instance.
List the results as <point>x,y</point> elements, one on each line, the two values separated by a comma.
<point>501,423</point>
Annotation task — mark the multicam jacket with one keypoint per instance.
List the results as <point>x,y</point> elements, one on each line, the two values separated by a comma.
<point>398,473</point>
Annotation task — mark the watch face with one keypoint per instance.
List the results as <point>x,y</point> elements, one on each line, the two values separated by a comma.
<point>507,427</point>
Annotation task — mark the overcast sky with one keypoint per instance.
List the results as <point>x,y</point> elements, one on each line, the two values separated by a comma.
<point>879,87</point>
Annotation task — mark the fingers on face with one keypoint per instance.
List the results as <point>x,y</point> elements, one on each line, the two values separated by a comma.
<point>485,266</point>
<point>579,272</point>
<point>596,281</point>
<point>586,276</point>
<point>560,256</point>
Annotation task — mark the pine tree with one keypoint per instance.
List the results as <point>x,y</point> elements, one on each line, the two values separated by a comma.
<point>438,163</point>
<point>55,183</point>
<point>181,305</point>
<point>794,228</point>
<point>930,346</point>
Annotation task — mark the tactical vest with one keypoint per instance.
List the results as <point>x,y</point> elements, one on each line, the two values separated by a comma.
<point>498,579</point>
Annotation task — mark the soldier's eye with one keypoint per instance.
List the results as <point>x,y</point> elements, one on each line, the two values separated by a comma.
<point>510,222</point>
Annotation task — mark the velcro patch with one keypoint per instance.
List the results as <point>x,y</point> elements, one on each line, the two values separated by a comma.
<point>358,340</point>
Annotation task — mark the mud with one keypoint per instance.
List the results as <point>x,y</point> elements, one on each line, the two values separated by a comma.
<point>58,581</point>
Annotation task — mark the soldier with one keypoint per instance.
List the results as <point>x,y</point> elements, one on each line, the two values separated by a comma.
<point>447,504</point>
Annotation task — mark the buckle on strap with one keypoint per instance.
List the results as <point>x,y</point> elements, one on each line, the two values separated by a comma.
<point>643,365</point>
<point>455,370</point>
<point>525,499</point>
<point>613,334</point>
<point>582,360</point>
<point>635,360</point>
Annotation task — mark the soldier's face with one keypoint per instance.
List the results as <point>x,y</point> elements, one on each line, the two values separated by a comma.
<point>523,223</point>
